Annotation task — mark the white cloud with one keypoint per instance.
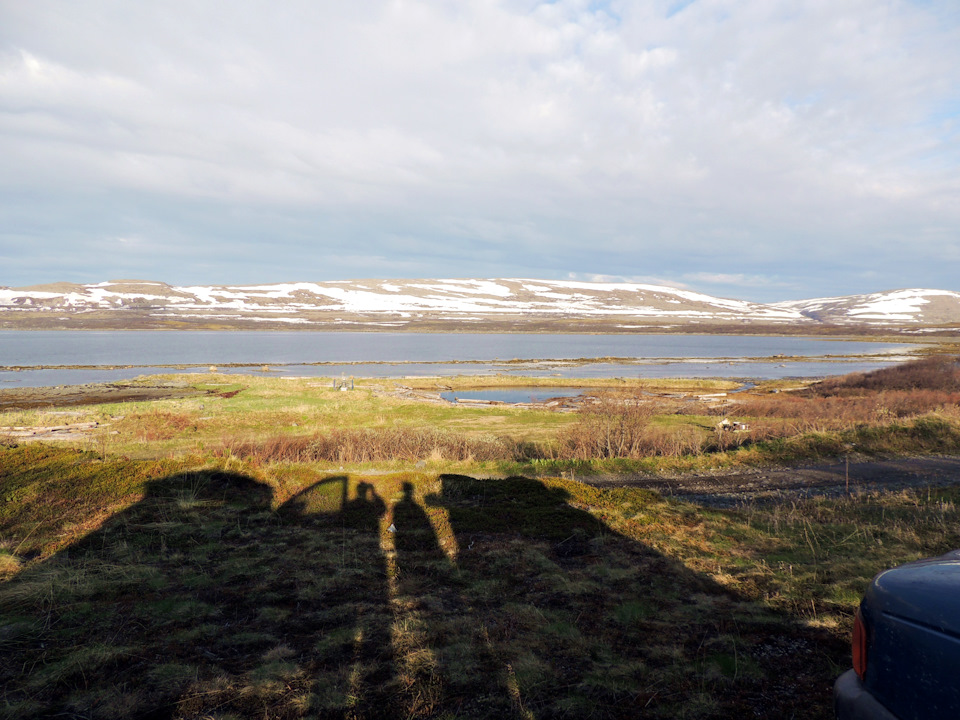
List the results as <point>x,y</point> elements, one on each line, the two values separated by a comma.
<point>738,279</point>
<point>641,279</point>
<point>623,132</point>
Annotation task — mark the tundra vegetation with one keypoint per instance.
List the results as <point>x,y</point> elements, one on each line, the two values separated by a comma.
<point>277,548</point>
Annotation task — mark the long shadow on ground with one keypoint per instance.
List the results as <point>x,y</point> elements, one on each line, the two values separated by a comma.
<point>490,599</point>
<point>580,621</point>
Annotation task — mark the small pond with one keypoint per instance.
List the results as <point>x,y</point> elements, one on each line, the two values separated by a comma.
<point>515,395</point>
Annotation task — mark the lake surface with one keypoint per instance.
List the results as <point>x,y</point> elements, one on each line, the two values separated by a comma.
<point>381,354</point>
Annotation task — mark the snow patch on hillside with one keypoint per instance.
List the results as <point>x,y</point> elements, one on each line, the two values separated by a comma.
<point>906,305</point>
<point>463,299</point>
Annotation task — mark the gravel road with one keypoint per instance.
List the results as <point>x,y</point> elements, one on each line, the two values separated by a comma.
<point>778,484</point>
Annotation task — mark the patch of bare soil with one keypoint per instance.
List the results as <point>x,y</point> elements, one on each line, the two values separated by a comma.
<point>778,484</point>
<point>91,394</point>
<point>70,431</point>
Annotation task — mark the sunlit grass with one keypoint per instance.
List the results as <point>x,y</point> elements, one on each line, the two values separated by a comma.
<point>677,434</point>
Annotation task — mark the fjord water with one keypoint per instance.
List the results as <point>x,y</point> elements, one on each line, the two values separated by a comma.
<point>382,354</point>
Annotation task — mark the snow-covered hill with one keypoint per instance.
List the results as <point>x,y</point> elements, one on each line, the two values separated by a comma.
<point>402,302</point>
<point>894,307</point>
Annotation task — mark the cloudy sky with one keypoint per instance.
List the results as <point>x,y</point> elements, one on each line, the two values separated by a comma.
<point>759,149</point>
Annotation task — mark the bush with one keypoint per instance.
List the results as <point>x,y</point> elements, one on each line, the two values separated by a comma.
<point>619,426</point>
<point>933,373</point>
<point>615,426</point>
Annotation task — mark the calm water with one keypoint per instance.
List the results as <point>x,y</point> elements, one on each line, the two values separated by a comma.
<point>409,354</point>
<point>513,395</point>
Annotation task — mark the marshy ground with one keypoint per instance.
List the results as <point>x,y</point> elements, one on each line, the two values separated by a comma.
<point>257,547</point>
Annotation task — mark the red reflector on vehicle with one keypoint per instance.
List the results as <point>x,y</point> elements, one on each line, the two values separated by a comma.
<point>859,646</point>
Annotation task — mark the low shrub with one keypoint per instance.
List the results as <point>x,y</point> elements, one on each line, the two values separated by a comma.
<point>939,372</point>
<point>359,445</point>
<point>615,426</point>
<point>822,413</point>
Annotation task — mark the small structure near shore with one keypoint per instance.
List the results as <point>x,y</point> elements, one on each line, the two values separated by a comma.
<point>735,426</point>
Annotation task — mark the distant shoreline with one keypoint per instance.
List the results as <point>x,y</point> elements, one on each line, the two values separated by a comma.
<point>538,326</point>
<point>28,358</point>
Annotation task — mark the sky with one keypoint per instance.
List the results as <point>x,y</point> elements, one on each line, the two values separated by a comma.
<point>758,149</point>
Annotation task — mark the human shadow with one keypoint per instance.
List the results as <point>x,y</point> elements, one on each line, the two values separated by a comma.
<point>492,598</point>
<point>565,617</point>
<point>428,601</point>
<point>346,605</point>
<point>203,601</point>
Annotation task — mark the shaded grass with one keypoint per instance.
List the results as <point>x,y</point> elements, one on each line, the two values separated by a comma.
<point>57,493</point>
<point>284,594</point>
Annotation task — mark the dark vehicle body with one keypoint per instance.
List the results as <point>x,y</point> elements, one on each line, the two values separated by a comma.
<point>906,646</point>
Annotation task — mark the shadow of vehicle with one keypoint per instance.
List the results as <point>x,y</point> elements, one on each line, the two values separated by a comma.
<point>492,598</point>
<point>202,601</point>
<point>568,618</point>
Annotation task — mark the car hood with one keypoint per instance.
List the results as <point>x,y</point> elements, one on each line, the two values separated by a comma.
<point>925,592</point>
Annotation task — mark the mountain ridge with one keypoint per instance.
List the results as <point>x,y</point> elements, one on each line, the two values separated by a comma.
<point>379,303</point>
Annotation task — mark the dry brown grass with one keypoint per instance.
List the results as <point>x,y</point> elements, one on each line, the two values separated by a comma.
<point>362,445</point>
<point>898,404</point>
<point>820,413</point>
<point>938,372</point>
<point>911,390</point>
<point>161,425</point>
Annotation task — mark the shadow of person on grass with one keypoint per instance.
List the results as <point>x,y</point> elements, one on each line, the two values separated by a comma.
<point>347,601</point>
<point>202,601</point>
<point>493,598</point>
<point>570,618</point>
<point>427,596</point>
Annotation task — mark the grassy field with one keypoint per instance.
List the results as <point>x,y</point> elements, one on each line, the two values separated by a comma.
<point>218,556</point>
<point>234,410</point>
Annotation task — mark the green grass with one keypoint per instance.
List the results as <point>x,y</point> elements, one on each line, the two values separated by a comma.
<point>158,567</point>
<point>170,428</point>
<point>679,436</point>
<point>154,586</point>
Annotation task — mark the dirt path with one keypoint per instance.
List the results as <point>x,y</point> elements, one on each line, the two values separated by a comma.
<point>778,484</point>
